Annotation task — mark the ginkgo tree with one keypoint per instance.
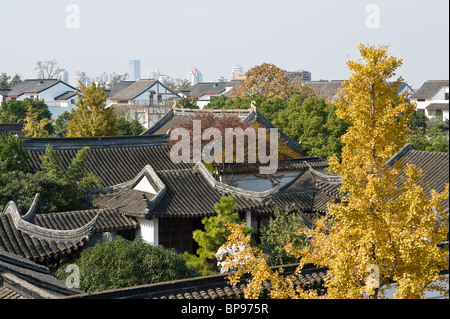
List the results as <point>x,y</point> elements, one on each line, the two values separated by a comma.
<point>386,228</point>
<point>91,117</point>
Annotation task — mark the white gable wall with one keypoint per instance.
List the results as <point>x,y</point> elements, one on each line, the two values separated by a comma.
<point>159,90</point>
<point>440,95</point>
<point>148,230</point>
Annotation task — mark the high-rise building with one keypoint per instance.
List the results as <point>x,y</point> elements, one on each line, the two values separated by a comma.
<point>237,72</point>
<point>300,74</point>
<point>135,70</point>
<point>83,78</point>
<point>195,76</point>
<point>153,74</point>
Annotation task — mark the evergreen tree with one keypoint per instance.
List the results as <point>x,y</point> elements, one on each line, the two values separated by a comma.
<point>214,235</point>
<point>121,263</point>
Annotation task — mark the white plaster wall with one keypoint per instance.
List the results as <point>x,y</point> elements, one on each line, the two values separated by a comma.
<point>148,230</point>
<point>389,293</point>
<point>50,93</point>
<point>440,95</point>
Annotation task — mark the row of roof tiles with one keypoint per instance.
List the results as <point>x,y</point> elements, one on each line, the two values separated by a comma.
<point>209,287</point>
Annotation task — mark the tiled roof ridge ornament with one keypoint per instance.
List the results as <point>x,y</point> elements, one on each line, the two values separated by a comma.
<point>322,176</point>
<point>33,230</point>
<point>29,216</point>
<point>253,107</point>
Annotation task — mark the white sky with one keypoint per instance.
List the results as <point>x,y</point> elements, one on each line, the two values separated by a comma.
<point>178,35</point>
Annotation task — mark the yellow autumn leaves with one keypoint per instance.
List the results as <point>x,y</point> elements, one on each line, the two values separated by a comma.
<point>386,220</point>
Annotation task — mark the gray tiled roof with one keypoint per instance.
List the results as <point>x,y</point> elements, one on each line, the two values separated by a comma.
<point>4,92</point>
<point>114,160</point>
<point>178,115</point>
<point>108,220</point>
<point>429,88</point>
<point>437,106</point>
<point>134,90</point>
<point>24,238</point>
<point>21,278</point>
<point>434,165</point>
<point>188,193</point>
<point>118,87</point>
<point>212,287</point>
<point>200,89</point>
<point>9,129</point>
<point>67,95</point>
<point>327,90</point>
<point>34,86</point>
<point>39,237</point>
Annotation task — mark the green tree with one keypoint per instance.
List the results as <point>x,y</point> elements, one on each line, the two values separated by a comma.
<point>433,138</point>
<point>13,156</point>
<point>33,127</point>
<point>214,235</point>
<point>217,102</point>
<point>61,123</point>
<point>4,80</point>
<point>418,121</point>
<point>283,229</point>
<point>121,263</point>
<point>7,82</point>
<point>91,117</point>
<point>12,111</point>
<point>314,124</point>
<point>268,107</point>
<point>125,127</point>
<point>187,102</point>
<point>59,190</point>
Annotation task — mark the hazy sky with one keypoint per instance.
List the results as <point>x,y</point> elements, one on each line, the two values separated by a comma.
<point>177,35</point>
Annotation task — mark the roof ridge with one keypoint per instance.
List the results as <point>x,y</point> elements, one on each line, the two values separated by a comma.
<point>57,235</point>
<point>231,189</point>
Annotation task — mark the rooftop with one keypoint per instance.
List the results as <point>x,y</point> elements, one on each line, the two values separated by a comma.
<point>429,89</point>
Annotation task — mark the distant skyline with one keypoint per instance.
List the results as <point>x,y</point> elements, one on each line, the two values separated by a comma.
<point>175,36</point>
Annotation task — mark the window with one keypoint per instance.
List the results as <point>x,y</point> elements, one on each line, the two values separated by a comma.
<point>176,233</point>
<point>446,96</point>
<point>420,100</point>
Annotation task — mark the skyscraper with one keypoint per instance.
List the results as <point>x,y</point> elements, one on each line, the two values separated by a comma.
<point>237,73</point>
<point>135,70</point>
<point>301,74</point>
<point>195,76</point>
<point>153,74</point>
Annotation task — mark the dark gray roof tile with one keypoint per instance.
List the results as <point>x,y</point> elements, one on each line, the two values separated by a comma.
<point>134,90</point>
<point>429,89</point>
